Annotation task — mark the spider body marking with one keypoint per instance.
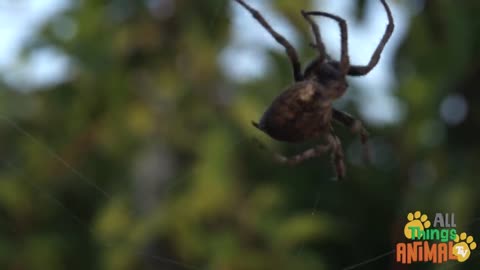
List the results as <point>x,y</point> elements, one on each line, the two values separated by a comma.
<point>304,110</point>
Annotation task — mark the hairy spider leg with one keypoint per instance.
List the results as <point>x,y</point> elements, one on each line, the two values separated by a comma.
<point>298,158</point>
<point>338,157</point>
<point>355,127</point>
<point>333,144</point>
<point>290,50</point>
<point>318,40</point>
<point>344,58</point>
<point>305,155</point>
<point>363,70</point>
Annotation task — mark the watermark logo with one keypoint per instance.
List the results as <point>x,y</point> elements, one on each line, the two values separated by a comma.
<point>436,243</point>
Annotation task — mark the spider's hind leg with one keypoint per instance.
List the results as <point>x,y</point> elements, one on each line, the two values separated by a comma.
<point>334,145</point>
<point>299,158</point>
<point>355,127</point>
<point>338,158</point>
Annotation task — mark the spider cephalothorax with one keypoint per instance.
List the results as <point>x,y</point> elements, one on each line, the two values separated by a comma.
<point>304,110</point>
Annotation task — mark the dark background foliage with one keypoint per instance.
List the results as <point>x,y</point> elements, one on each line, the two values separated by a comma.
<point>142,158</point>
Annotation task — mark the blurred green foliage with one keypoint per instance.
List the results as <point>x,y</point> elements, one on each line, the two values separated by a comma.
<point>143,158</point>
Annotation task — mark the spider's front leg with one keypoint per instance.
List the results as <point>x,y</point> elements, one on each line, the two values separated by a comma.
<point>290,50</point>
<point>344,64</point>
<point>363,70</point>
<point>355,127</point>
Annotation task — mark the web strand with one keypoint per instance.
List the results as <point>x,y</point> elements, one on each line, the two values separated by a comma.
<point>57,202</point>
<point>55,155</point>
<point>368,261</point>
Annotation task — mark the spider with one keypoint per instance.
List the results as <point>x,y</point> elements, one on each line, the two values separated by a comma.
<point>304,111</point>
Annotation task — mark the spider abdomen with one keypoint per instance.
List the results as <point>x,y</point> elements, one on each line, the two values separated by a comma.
<point>302,112</point>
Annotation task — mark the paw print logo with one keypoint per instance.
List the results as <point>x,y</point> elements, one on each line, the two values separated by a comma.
<point>416,220</point>
<point>463,247</point>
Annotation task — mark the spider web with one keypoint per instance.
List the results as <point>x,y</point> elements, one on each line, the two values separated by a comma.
<point>106,196</point>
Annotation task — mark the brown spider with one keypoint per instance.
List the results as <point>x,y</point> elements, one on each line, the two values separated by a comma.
<point>304,110</point>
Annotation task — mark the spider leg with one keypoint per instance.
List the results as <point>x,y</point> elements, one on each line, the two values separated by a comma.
<point>299,158</point>
<point>334,145</point>
<point>363,70</point>
<point>344,58</point>
<point>292,54</point>
<point>318,40</point>
<point>305,155</point>
<point>356,127</point>
<point>337,156</point>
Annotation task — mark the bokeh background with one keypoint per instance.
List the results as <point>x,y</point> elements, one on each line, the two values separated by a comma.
<point>126,141</point>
